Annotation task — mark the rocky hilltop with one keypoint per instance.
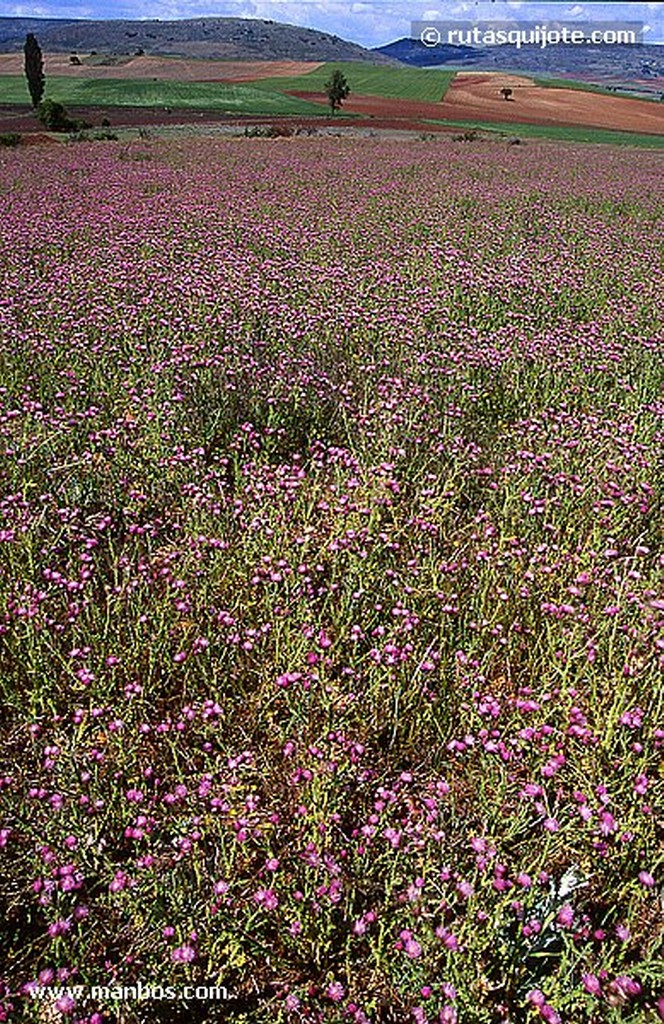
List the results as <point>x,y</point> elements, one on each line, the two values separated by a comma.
<point>212,38</point>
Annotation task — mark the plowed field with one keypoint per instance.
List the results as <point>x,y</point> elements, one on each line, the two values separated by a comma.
<point>477,97</point>
<point>170,69</point>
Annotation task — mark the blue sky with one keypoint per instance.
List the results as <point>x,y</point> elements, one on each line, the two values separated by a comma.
<point>369,22</point>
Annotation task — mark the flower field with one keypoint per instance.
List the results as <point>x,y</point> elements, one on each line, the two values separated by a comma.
<point>331,610</point>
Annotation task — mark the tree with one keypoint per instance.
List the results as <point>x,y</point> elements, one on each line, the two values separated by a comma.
<point>337,90</point>
<point>506,93</point>
<point>34,68</point>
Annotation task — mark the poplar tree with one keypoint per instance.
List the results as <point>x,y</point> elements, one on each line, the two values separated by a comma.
<point>34,69</point>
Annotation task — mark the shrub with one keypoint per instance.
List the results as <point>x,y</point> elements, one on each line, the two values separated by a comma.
<point>83,136</point>
<point>55,118</point>
<point>10,139</point>
<point>269,131</point>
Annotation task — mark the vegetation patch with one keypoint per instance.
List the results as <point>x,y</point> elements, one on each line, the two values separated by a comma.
<point>564,133</point>
<point>331,625</point>
<point>232,99</point>
<point>367,80</point>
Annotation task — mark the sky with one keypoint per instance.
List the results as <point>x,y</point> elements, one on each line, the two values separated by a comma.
<point>368,22</point>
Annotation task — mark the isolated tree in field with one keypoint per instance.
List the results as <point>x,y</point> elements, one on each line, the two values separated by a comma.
<point>506,93</point>
<point>34,68</point>
<point>337,90</point>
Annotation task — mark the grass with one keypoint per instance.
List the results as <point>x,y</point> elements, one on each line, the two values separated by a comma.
<point>603,90</point>
<point>564,133</point>
<point>367,80</point>
<point>236,99</point>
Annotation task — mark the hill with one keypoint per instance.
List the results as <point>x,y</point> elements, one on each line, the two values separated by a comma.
<point>621,62</point>
<point>207,38</point>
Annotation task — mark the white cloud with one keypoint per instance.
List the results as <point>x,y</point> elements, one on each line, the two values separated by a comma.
<point>368,22</point>
<point>27,11</point>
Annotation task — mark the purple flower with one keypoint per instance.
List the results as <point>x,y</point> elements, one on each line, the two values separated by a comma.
<point>409,945</point>
<point>592,984</point>
<point>448,939</point>
<point>607,823</point>
<point>623,988</point>
<point>641,785</point>
<point>267,898</point>
<point>335,991</point>
<point>65,1004</point>
<point>538,999</point>
<point>60,927</point>
<point>120,881</point>
<point>565,916</point>
<point>184,954</point>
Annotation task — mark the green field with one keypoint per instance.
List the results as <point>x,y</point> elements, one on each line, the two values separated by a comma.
<point>572,83</point>
<point>565,83</point>
<point>235,99</point>
<point>564,133</point>
<point>369,80</point>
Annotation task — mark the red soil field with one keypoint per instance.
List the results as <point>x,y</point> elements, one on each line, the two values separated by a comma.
<point>380,106</point>
<point>22,120</point>
<point>476,97</point>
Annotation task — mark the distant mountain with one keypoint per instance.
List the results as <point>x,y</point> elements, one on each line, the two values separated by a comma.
<point>415,53</point>
<point>212,38</point>
<point>624,62</point>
